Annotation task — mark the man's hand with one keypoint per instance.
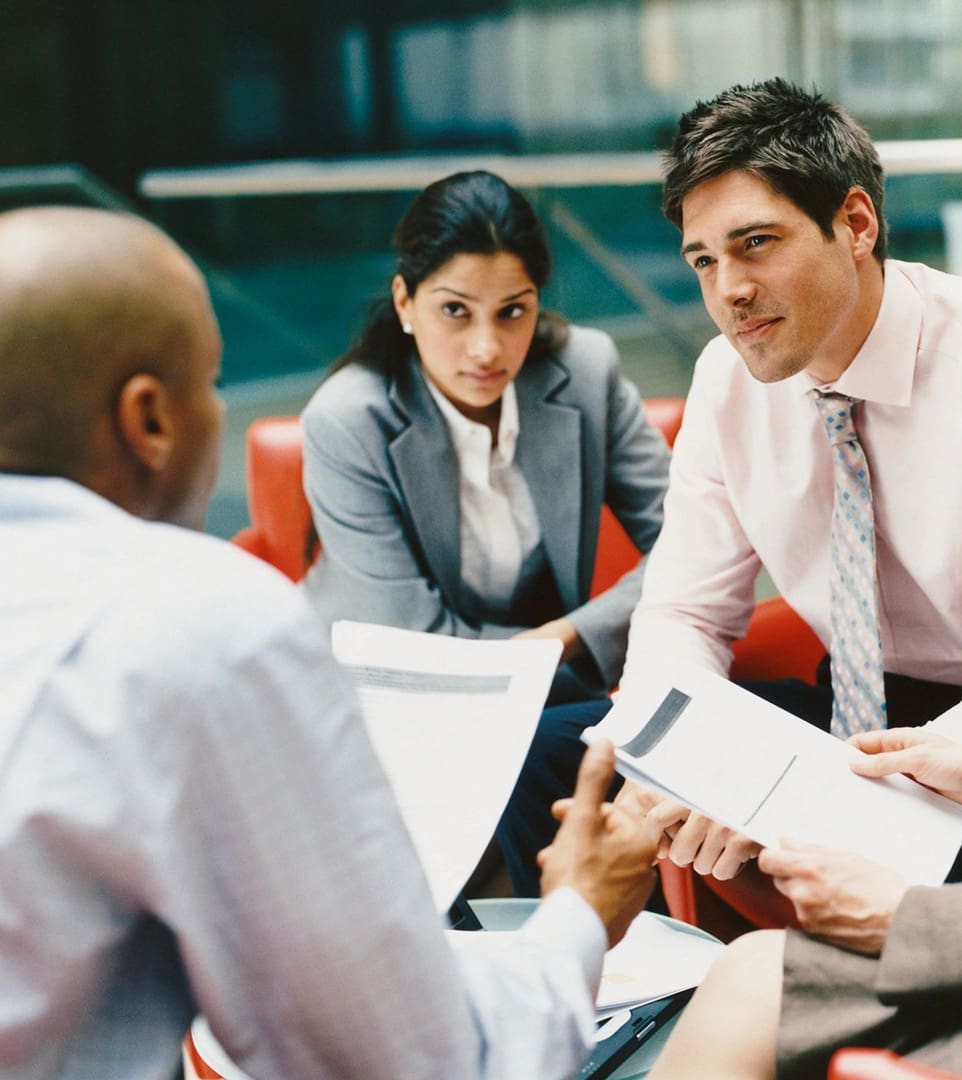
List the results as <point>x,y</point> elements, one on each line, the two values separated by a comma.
<point>563,631</point>
<point>926,757</point>
<point>842,898</point>
<point>689,838</point>
<point>638,801</point>
<point>600,851</point>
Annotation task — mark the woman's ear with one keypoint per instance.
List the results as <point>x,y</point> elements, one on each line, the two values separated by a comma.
<point>144,420</point>
<point>402,302</point>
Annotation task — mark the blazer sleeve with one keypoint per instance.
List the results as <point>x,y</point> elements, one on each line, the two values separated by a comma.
<point>370,569</point>
<point>636,479</point>
<point>923,950</point>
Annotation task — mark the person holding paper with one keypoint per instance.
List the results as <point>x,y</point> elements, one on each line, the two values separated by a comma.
<point>191,814</point>
<point>833,384</point>
<point>880,964</point>
<point>778,194</point>
<point>456,459</point>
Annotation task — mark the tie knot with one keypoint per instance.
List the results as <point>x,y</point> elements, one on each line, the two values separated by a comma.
<point>836,412</point>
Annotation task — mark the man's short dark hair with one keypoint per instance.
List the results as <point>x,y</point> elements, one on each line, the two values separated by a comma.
<point>804,147</point>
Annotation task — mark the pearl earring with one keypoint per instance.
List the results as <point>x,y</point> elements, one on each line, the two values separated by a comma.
<point>407,328</point>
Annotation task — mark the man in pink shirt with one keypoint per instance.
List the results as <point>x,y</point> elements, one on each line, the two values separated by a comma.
<point>778,195</point>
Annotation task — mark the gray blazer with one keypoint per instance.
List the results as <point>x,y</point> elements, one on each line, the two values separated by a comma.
<point>381,476</point>
<point>906,999</point>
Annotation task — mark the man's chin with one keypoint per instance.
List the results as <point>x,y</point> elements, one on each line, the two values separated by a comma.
<point>767,369</point>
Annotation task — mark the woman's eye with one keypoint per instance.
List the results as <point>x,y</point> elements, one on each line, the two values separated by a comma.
<point>513,311</point>
<point>454,309</point>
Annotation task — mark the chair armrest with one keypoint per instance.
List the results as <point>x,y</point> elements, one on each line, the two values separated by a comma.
<point>855,1063</point>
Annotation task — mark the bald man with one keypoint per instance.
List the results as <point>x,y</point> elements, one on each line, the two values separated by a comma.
<point>182,826</point>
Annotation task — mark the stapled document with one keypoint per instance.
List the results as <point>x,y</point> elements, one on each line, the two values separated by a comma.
<point>747,764</point>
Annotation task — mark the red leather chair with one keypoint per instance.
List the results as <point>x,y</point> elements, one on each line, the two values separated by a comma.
<point>203,1058</point>
<point>616,553</point>
<point>195,1067</point>
<point>854,1063</point>
<point>280,516</point>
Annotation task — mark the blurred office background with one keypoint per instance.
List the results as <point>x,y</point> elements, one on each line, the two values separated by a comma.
<point>280,142</point>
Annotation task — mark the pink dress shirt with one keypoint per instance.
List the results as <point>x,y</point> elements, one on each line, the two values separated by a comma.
<point>751,485</point>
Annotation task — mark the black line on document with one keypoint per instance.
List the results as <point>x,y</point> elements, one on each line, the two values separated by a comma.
<point>771,790</point>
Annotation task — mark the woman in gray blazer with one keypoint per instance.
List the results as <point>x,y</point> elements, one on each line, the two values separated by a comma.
<point>457,457</point>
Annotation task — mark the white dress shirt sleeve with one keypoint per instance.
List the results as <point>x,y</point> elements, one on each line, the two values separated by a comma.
<point>543,973</point>
<point>699,585</point>
<point>193,818</point>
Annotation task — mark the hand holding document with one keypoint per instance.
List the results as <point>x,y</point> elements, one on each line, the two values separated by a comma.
<point>700,739</point>
<point>451,721</point>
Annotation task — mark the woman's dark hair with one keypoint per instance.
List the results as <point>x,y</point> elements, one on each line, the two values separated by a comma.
<point>467,213</point>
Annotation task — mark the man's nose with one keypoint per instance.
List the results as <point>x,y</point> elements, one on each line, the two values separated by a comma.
<point>733,282</point>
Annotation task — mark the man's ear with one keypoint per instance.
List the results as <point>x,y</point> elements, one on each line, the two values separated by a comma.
<point>144,420</point>
<point>857,215</point>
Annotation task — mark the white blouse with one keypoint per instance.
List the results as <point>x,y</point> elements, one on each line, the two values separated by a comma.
<point>499,524</point>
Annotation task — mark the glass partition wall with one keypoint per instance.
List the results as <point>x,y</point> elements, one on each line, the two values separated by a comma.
<point>171,105</point>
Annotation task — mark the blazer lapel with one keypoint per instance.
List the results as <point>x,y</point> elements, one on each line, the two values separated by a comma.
<point>549,454</point>
<point>427,469</point>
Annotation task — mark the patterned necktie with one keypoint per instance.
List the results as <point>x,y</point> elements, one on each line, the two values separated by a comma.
<point>858,687</point>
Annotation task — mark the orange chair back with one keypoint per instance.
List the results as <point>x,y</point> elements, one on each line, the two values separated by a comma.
<point>617,553</point>
<point>854,1063</point>
<point>279,512</point>
<point>195,1068</point>
<point>665,413</point>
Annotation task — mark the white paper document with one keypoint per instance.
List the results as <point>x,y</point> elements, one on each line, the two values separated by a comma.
<point>451,720</point>
<point>656,957</point>
<point>948,724</point>
<point>748,764</point>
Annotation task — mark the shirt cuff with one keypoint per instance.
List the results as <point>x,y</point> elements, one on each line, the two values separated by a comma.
<point>564,919</point>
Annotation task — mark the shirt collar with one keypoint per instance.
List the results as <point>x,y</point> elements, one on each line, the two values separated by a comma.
<point>34,497</point>
<point>465,431</point>
<point>883,370</point>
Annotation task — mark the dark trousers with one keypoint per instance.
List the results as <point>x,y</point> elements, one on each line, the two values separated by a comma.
<point>551,766</point>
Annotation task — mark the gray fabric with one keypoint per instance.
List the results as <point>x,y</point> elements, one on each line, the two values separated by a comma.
<point>908,1000</point>
<point>382,479</point>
